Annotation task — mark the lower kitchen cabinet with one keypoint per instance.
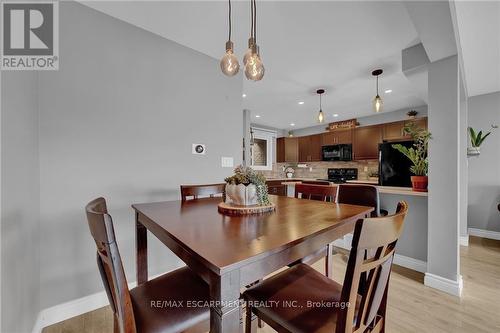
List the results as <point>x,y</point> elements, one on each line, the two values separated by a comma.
<point>276,188</point>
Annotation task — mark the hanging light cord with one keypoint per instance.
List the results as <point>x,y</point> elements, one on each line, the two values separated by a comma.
<point>255,20</point>
<point>229,20</point>
<point>320,108</point>
<point>377,85</point>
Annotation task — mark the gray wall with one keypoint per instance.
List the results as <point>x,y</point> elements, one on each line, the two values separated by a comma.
<point>385,117</point>
<point>20,201</point>
<point>118,120</point>
<point>484,171</point>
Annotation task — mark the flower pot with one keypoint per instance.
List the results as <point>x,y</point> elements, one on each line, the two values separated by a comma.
<point>289,174</point>
<point>241,195</point>
<point>473,151</point>
<point>419,183</point>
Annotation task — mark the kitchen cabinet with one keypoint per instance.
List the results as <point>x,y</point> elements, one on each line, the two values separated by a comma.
<point>276,188</point>
<point>365,142</point>
<point>280,150</point>
<point>291,150</point>
<point>336,137</point>
<point>310,148</point>
<point>395,130</point>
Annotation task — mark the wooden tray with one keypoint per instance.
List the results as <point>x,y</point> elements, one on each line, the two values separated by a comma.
<point>230,209</point>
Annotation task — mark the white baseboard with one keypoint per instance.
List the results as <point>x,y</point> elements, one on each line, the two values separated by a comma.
<point>64,311</point>
<point>400,260</point>
<point>446,285</point>
<point>464,240</point>
<point>484,233</point>
<point>411,263</point>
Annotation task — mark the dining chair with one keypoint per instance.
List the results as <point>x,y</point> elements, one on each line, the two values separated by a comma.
<point>159,305</point>
<point>362,195</point>
<point>321,193</point>
<point>316,192</point>
<point>300,299</point>
<point>196,191</point>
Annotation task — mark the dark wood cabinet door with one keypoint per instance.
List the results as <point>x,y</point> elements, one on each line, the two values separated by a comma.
<point>328,139</point>
<point>365,142</point>
<point>275,187</point>
<point>394,131</point>
<point>343,136</point>
<point>280,150</point>
<point>315,148</point>
<point>421,122</point>
<point>304,147</point>
<point>291,150</point>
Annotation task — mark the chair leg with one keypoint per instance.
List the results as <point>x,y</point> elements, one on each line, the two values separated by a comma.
<point>329,261</point>
<point>248,321</point>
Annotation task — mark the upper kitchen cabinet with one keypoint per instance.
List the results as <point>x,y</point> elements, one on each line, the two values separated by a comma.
<point>336,137</point>
<point>310,148</point>
<point>395,130</point>
<point>287,150</point>
<point>365,142</point>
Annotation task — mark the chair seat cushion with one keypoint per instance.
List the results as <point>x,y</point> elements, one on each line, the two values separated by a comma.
<point>166,304</point>
<point>300,299</point>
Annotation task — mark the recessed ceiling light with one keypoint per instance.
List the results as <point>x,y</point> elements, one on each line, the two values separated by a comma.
<point>335,115</point>
<point>388,91</point>
<point>292,124</point>
<point>257,116</point>
<point>301,102</point>
<point>244,95</point>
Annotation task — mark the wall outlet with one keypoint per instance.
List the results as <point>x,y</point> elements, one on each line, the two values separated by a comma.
<point>227,162</point>
<point>366,169</point>
<point>199,149</point>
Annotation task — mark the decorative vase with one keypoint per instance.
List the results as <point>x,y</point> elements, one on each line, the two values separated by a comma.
<point>419,183</point>
<point>473,151</point>
<point>241,195</point>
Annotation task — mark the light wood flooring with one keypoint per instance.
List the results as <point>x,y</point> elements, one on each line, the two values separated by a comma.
<point>413,307</point>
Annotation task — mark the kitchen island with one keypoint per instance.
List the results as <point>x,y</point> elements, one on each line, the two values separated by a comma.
<point>412,245</point>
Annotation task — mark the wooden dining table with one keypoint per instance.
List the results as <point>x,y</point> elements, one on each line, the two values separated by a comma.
<point>232,252</point>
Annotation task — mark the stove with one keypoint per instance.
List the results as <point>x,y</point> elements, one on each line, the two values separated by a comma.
<point>341,175</point>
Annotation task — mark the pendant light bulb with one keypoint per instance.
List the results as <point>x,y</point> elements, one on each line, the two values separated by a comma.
<point>377,101</point>
<point>254,68</point>
<point>248,53</point>
<point>377,104</point>
<point>229,63</point>
<point>321,117</point>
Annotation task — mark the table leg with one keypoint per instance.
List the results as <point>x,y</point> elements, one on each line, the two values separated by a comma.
<point>225,315</point>
<point>141,247</point>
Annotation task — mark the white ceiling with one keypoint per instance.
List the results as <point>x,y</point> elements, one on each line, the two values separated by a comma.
<point>304,45</point>
<point>479,29</point>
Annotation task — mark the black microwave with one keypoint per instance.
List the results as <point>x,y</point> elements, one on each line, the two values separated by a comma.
<point>337,153</point>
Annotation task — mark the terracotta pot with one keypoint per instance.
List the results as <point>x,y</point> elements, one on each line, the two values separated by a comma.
<point>241,195</point>
<point>419,183</point>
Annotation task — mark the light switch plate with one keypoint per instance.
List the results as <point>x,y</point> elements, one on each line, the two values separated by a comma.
<point>199,149</point>
<point>227,162</point>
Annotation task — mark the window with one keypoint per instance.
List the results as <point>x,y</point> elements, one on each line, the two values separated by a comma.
<point>262,149</point>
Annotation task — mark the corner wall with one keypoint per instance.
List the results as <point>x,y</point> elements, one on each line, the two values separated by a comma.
<point>20,246</point>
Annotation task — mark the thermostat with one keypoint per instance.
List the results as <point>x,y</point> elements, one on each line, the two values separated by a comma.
<point>199,149</point>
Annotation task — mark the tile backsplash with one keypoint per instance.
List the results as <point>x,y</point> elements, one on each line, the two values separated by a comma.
<point>319,170</point>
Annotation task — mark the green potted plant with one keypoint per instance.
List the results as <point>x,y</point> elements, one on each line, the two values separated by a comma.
<point>476,139</point>
<point>246,188</point>
<point>417,154</point>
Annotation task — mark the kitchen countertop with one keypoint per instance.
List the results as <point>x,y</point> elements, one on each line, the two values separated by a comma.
<point>382,189</point>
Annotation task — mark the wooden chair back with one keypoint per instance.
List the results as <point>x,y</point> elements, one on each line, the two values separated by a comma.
<point>110,265</point>
<point>367,274</point>
<point>362,195</point>
<point>315,192</point>
<point>196,191</point>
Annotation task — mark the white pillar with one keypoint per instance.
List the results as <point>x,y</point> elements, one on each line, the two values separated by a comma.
<point>443,257</point>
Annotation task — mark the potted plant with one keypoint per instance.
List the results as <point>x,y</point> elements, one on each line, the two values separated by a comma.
<point>246,187</point>
<point>476,139</point>
<point>417,154</point>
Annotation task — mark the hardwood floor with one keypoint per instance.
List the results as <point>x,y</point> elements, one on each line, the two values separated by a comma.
<point>412,306</point>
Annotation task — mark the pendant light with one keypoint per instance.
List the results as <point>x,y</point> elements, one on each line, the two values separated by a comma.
<point>254,68</point>
<point>321,116</point>
<point>377,101</point>
<point>229,63</point>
